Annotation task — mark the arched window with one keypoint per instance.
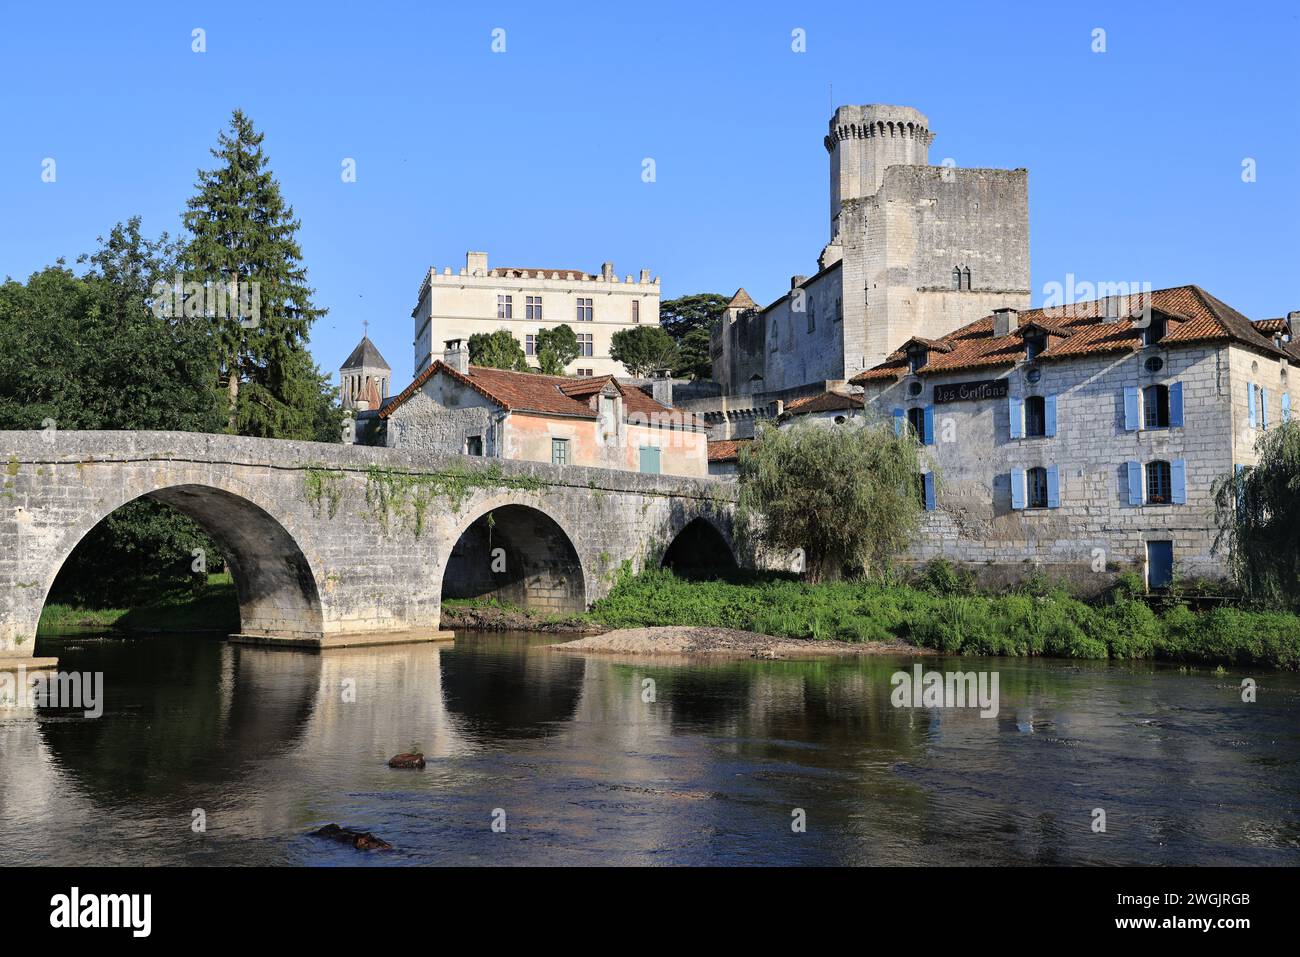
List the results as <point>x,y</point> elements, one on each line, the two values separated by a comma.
<point>1160,485</point>
<point>1155,406</point>
<point>956,277</point>
<point>1035,416</point>
<point>1036,487</point>
<point>965,278</point>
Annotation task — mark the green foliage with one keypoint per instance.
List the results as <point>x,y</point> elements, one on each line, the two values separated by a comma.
<point>643,349</point>
<point>497,350</point>
<point>849,496</point>
<point>556,348</point>
<point>211,606</point>
<point>1014,624</point>
<point>688,319</point>
<point>242,231</point>
<point>1258,513</point>
<point>406,496</point>
<point>942,577</point>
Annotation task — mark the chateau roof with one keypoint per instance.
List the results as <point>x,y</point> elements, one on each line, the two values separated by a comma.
<point>544,394</point>
<point>1081,329</point>
<point>742,300</point>
<point>365,355</point>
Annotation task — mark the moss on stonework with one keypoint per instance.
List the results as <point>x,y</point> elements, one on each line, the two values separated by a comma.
<point>322,485</point>
<point>11,467</point>
<point>397,494</point>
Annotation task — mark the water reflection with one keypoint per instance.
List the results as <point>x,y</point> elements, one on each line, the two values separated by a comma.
<point>269,743</point>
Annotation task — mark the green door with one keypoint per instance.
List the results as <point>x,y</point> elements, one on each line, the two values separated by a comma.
<point>650,459</point>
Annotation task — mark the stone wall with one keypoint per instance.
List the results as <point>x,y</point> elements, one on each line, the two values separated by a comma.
<point>324,540</point>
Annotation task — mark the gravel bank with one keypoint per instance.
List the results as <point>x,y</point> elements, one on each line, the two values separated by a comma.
<point>674,640</point>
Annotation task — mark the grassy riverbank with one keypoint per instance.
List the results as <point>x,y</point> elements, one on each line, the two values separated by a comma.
<point>1041,621</point>
<point>211,608</point>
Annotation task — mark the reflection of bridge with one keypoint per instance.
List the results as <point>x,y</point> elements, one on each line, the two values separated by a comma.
<point>333,544</point>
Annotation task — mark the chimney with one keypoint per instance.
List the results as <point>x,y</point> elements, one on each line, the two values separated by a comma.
<point>1110,309</point>
<point>1293,325</point>
<point>476,263</point>
<point>661,386</point>
<point>456,355</point>
<point>796,281</point>
<point>607,271</point>
<point>1005,321</point>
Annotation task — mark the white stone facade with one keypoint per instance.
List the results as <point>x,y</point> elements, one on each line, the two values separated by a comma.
<point>478,298</point>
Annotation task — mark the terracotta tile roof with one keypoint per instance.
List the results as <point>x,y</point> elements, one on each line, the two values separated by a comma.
<point>823,402</point>
<point>1271,327</point>
<point>548,394</point>
<point>742,300</point>
<point>726,450</point>
<point>1079,329</point>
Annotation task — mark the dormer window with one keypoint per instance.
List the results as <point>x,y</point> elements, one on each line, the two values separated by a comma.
<point>916,359</point>
<point>1155,330</point>
<point>1035,342</point>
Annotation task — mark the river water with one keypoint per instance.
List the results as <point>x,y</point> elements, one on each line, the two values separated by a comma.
<point>262,746</point>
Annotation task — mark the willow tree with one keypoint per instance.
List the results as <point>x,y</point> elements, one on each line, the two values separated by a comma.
<point>243,244</point>
<point>849,495</point>
<point>1258,510</point>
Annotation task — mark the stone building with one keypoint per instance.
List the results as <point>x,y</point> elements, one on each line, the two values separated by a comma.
<point>914,250</point>
<point>597,421</point>
<point>477,298</point>
<point>1086,440</point>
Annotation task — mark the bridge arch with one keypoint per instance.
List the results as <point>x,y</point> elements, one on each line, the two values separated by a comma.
<point>516,552</point>
<point>699,548</point>
<point>274,580</point>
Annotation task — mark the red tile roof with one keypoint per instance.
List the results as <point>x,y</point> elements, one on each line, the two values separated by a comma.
<point>1079,329</point>
<point>823,402</point>
<point>726,450</point>
<point>547,394</point>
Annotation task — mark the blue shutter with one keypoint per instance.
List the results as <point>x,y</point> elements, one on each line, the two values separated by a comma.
<point>1250,404</point>
<point>1016,410</point>
<point>929,425</point>
<point>1286,406</point>
<point>1017,488</point>
<point>1134,482</point>
<point>1178,479</point>
<point>1263,407</point>
<point>1175,405</point>
<point>898,422</point>
<point>1132,409</point>
<point>1053,486</point>
<point>929,491</point>
<point>1049,414</point>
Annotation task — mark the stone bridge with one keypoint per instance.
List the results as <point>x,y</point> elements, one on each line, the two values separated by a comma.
<point>334,545</point>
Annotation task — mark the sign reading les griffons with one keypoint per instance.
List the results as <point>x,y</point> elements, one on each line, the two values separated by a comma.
<point>971,391</point>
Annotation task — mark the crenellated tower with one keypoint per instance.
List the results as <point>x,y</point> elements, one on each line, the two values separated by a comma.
<point>864,141</point>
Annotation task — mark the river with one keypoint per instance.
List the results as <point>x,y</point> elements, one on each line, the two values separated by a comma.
<point>211,753</point>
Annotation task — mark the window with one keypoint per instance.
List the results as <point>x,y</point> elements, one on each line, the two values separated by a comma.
<point>916,419</point>
<point>812,316</point>
<point>965,278</point>
<point>1036,488</point>
<point>585,344</point>
<point>650,459</point>
<point>636,310</point>
<point>1035,416</point>
<point>533,308</point>
<point>530,345</point>
<point>916,359</point>
<point>505,307</point>
<point>1155,330</point>
<point>1159,483</point>
<point>839,310</point>
<point>584,309</point>
<point>559,451</point>
<point>956,278</point>
<point>1155,407</point>
<point>584,373</point>
<point>474,445</point>
<point>1160,564</point>
<point>1034,344</point>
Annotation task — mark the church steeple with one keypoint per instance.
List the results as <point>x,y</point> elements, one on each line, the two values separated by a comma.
<point>364,377</point>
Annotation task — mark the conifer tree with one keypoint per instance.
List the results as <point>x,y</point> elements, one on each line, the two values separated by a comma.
<point>243,239</point>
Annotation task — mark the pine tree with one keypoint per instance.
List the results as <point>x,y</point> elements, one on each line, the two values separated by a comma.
<point>243,232</point>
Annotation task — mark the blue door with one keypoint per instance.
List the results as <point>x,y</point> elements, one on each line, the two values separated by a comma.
<point>650,459</point>
<point>1160,564</point>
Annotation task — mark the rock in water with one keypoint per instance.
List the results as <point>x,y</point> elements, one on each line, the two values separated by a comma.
<point>361,840</point>
<point>413,760</point>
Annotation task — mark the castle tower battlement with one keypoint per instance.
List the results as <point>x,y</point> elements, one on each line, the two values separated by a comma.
<point>864,141</point>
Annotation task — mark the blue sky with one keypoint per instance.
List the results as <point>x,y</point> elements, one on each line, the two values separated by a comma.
<point>535,155</point>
